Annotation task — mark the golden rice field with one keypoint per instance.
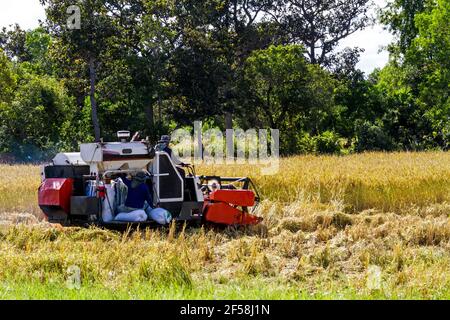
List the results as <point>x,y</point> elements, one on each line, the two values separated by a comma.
<point>365,226</point>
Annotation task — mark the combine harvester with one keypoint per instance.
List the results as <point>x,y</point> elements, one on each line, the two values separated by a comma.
<point>64,199</point>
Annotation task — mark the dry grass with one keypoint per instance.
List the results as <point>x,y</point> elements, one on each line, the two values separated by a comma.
<point>361,181</point>
<point>329,222</point>
<point>18,188</point>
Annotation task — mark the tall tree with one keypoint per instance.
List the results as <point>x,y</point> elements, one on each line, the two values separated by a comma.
<point>244,28</point>
<point>428,56</point>
<point>399,17</point>
<point>13,42</point>
<point>90,47</point>
<point>290,94</point>
<point>214,39</point>
<point>415,82</point>
<point>321,24</point>
<point>7,78</point>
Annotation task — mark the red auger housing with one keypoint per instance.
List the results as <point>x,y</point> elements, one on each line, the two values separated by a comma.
<point>230,206</point>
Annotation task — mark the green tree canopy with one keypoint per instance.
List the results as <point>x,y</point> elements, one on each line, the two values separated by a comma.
<point>7,78</point>
<point>292,95</point>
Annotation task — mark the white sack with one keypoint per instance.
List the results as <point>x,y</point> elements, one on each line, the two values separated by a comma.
<point>108,204</point>
<point>161,215</point>
<point>133,216</point>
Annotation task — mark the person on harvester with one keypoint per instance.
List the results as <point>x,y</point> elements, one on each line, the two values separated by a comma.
<point>138,194</point>
<point>164,146</point>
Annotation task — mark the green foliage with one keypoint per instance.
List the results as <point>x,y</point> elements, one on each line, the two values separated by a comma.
<point>277,76</point>
<point>371,137</point>
<point>33,122</point>
<point>399,16</point>
<point>430,54</point>
<point>415,83</point>
<point>37,44</point>
<point>290,94</point>
<point>327,142</point>
<point>152,66</point>
<point>7,79</point>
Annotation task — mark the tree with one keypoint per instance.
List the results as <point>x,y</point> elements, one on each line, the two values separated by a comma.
<point>7,79</point>
<point>241,30</point>
<point>89,48</point>
<point>372,137</point>
<point>415,83</point>
<point>429,54</point>
<point>320,25</point>
<point>290,94</point>
<point>149,62</point>
<point>37,44</point>
<point>399,16</point>
<point>13,42</point>
<point>358,99</point>
<point>28,47</point>
<point>212,39</point>
<point>33,122</point>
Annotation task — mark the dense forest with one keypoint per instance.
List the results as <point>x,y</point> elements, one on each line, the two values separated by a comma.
<point>157,65</point>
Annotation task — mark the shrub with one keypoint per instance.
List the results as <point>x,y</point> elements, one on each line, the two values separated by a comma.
<point>327,142</point>
<point>371,137</point>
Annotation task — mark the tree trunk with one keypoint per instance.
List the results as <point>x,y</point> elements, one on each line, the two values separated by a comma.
<point>228,120</point>
<point>313,44</point>
<point>149,113</point>
<point>92,78</point>
<point>267,109</point>
<point>229,136</point>
<point>312,53</point>
<point>159,109</point>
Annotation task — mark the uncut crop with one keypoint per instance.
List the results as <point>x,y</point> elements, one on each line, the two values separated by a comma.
<point>362,226</point>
